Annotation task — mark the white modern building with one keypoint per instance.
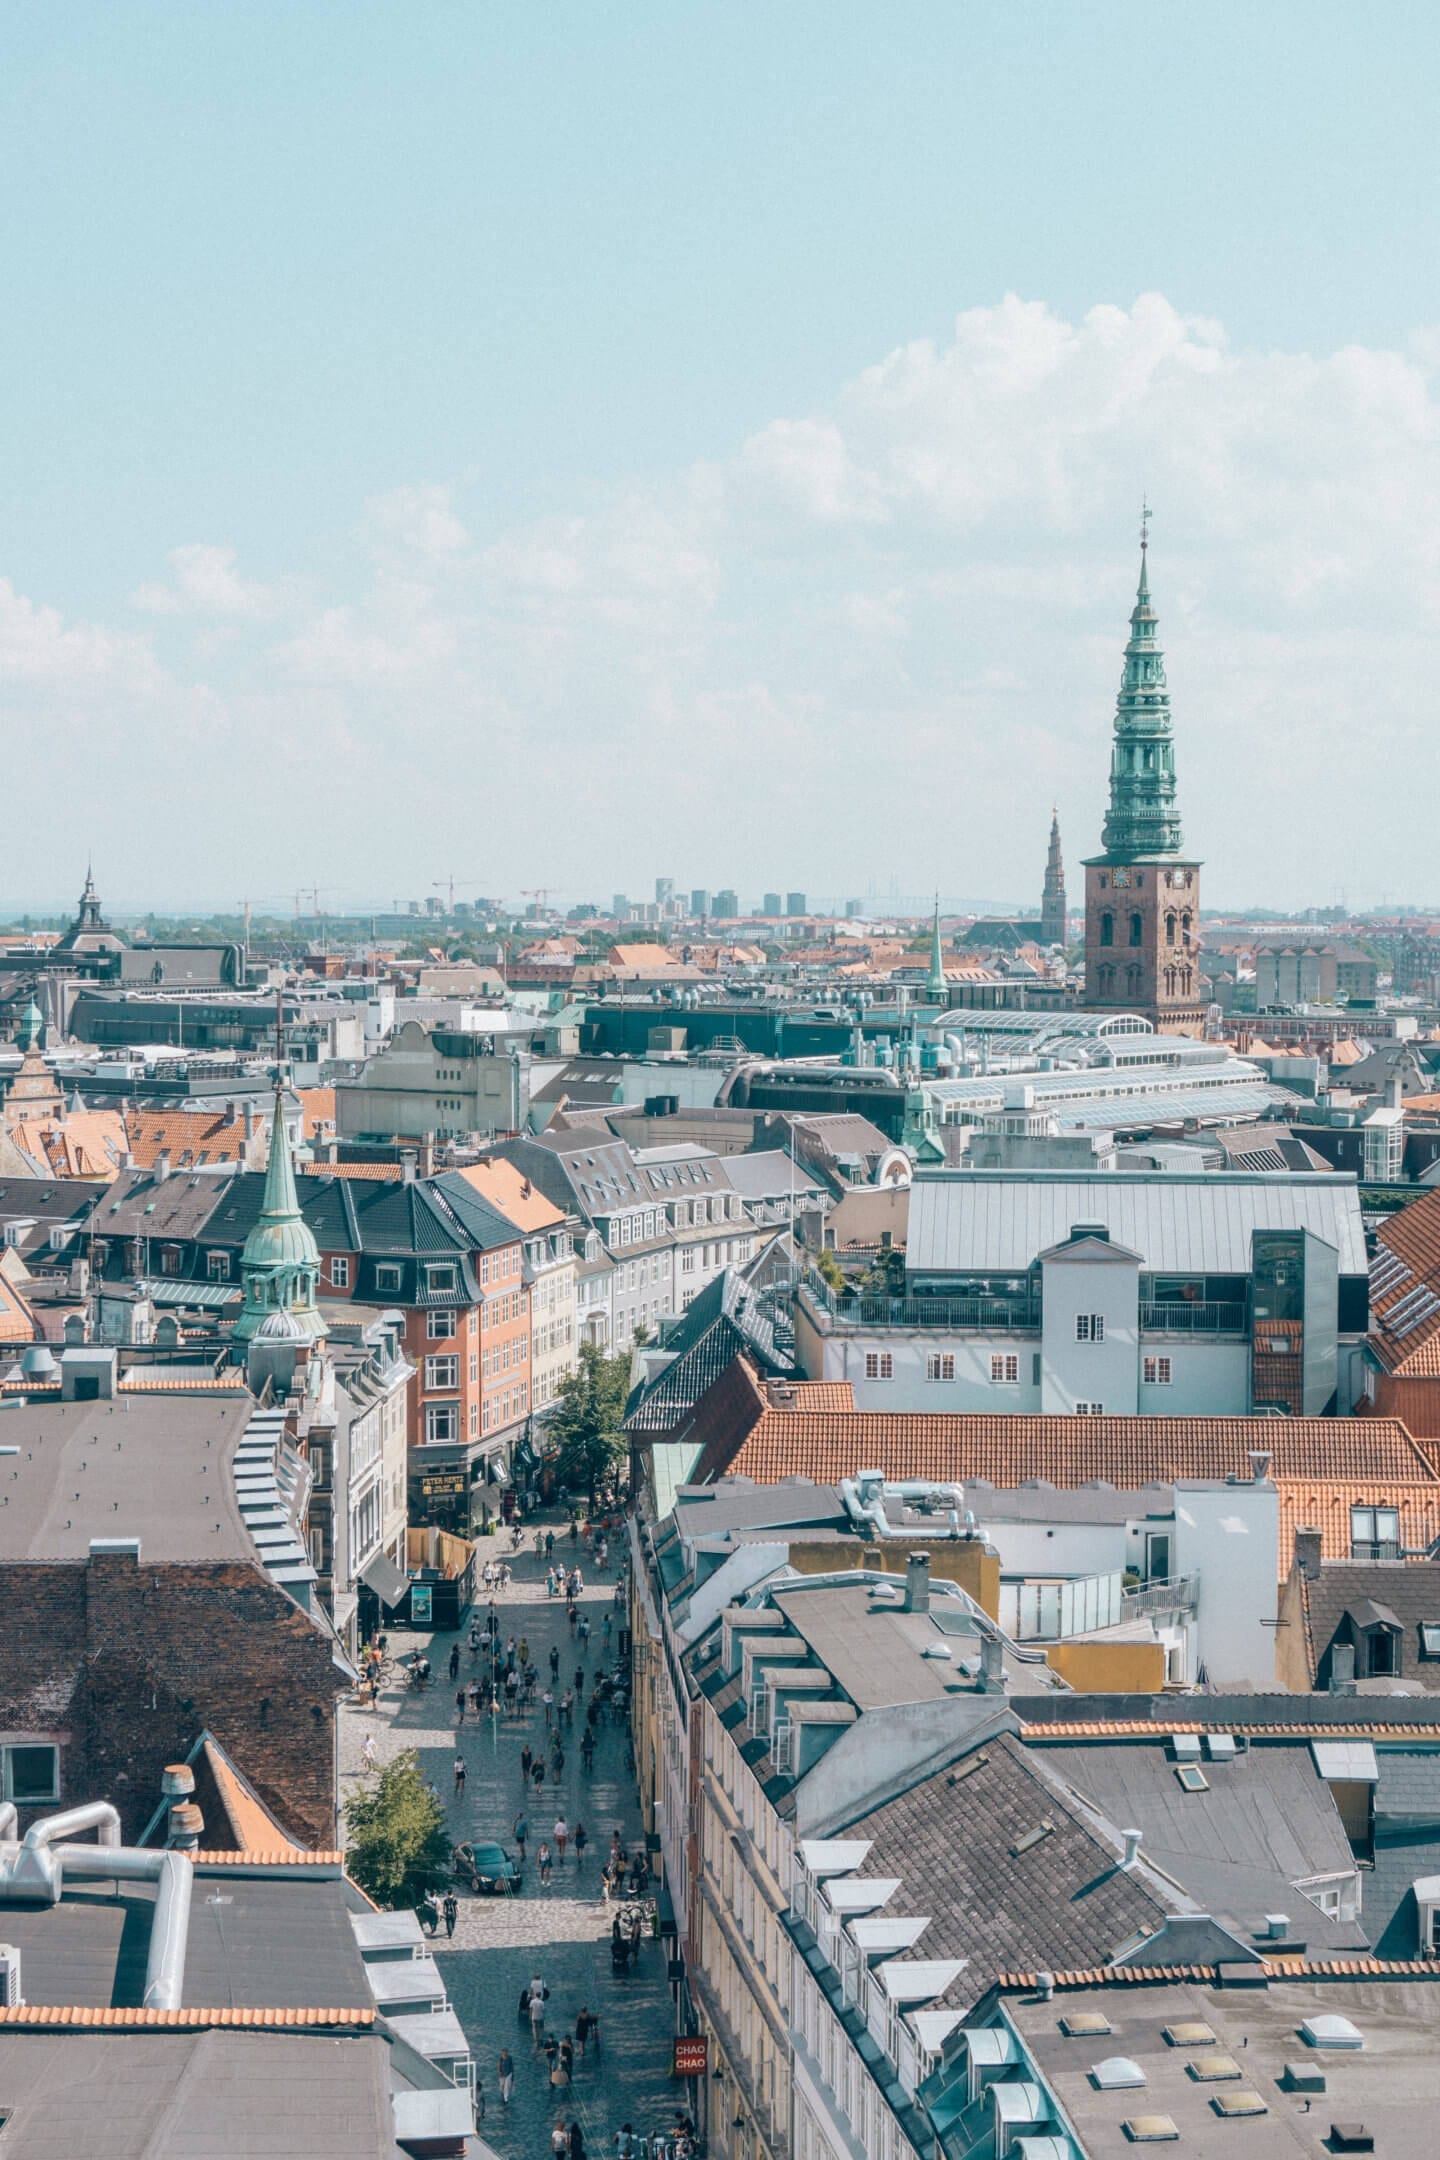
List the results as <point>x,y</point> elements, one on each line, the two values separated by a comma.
<point>1110,1293</point>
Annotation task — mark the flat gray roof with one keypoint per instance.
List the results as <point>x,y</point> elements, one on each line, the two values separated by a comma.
<point>989,1222</point>
<point>156,1467</point>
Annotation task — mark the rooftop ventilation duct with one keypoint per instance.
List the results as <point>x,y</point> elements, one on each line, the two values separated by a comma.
<point>33,1872</point>
<point>1132,1847</point>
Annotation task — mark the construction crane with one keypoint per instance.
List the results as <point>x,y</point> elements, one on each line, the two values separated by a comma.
<point>447,885</point>
<point>538,892</point>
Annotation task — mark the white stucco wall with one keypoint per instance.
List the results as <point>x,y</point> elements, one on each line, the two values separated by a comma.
<point>1230,1536</point>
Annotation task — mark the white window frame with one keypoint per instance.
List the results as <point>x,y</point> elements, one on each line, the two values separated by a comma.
<point>1089,1409</point>
<point>940,1365</point>
<point>443,1371</point>
<point>1157,1371</point>
<point>1089,1327</point>
<point>388,1276</point>
<point>1004,1368</point>
<point>438,1414</point>
<point>340,1271</point>
<point>879,1365</point>
<point>439,1324</point>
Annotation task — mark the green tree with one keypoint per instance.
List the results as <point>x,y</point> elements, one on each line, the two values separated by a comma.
<point>399,1845</point>
<point>587,1424</point>
<point>828,1268</point>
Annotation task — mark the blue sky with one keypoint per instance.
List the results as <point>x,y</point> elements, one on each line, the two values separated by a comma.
<point>410,405</point>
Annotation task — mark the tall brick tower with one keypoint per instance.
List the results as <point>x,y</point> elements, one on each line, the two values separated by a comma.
<point>1052,900</point>
<point>1142,895</point>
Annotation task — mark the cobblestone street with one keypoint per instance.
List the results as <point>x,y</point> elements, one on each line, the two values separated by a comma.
<point>561,1932</point>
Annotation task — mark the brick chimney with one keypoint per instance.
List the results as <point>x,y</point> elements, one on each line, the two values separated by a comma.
<point>1309,1544</point>
<point>917,1582</point>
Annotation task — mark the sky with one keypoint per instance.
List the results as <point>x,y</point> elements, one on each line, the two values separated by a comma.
<point>581,443</point>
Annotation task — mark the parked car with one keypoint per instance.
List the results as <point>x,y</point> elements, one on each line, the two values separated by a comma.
<point>486,1868</point>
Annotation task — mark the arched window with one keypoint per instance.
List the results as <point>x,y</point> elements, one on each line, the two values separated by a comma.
<point>1107,929</point>
<point>1107,980</point>
<point>1137,928</point>
<point>1185,925</point>
<point>1170,928</point>
<point>1132,980</point>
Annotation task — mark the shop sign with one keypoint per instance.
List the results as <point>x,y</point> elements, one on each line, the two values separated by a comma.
<point>443,1481</point>
<point>422,1607</point>
<point>691,2057</point>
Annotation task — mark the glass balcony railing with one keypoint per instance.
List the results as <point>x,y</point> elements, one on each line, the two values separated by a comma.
<point>1198,1318</point>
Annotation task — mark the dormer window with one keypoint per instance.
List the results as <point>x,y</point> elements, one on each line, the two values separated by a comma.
<point>1374,1533</point>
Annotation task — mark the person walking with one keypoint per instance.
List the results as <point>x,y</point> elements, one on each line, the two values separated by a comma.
<point>584,1631</point>
<point>526,1758</point>
<point>562,1837</point>
<point>567,1708</point>
<point>548,1700</point>
<point>577,2142</point>
<point>636,1931</point>
<point>542,1861</point>
<point>521,1832</point>
<point>567,2057</point>
<point>454,1659</point>
<point>538,1993</point>
<point>557,1764</point>
<point>459,1706</point>
<point>505,2076</point>
<point>368,1756</point>
<point>512,1689</point>
<point>554,1663</point>
<point>605,1631</point>
<point>537,1774</point>
<point>560,2142</point>
<point>582,2030</point>
<point>524,1650</point>
<point>581,1841</point>
<point>459,1775</point>
<point>579,1682</point>
<point>451,1910</point>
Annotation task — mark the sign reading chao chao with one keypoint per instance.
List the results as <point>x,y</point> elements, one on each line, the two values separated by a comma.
<point>444,1481</point>
<point>691,2056</point>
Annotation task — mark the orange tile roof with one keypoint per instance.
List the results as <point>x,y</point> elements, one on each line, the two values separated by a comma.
<point>1219,1720</point>
<point>1405,1290</point>
<point>1279,1968</point>
<point>384,1173</point>
<point>317,1111</point>
<point>512,1194</point>
<point>268,1856</point>
<point>190,1136</point>
<point>1320,1466</point>
<point>250,1821</point>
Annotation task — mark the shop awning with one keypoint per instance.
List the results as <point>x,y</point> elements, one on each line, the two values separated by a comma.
<point>386,1580</point>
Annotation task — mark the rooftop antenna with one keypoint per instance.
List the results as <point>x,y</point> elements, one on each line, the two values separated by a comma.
<point>1146,513</point>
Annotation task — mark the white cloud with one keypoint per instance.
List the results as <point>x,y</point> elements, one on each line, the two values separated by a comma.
<point>885,634</point>
<point>204,581</point>
<point>420,519</point>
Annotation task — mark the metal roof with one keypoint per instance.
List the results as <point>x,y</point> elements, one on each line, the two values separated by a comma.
<point>988,1222</point>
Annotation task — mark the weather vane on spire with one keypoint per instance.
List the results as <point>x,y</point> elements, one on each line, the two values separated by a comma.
<point>1146,513</point>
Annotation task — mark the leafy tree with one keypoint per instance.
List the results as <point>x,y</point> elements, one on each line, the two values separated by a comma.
<point>399,1844</point>
<point>586,1425</point>
<point>828,1268</point>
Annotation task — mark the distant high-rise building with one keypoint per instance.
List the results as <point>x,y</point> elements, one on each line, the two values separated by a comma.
<point>664,890</point>
<point>1052,903</point>
<point>773,904</point>
<point>699,901</point>
<point>854,908</point>
<point>1142,895</point>
<point>620,907</point>
<point>795,904</point>
<point>727,904</point>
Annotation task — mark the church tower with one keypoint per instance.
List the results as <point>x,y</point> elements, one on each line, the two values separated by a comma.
<point>1142,895</point>
<point>1052,902</point>
<point>280,1261</point>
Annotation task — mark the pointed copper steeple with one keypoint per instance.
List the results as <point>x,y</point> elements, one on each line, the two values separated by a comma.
<point>280,1262</point>
<point>1143,820</point>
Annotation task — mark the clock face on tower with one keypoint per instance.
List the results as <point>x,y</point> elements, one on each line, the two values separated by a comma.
<point>1120,880</point>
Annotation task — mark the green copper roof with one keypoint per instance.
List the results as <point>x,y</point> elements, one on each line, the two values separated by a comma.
<point>30,1027</point>
<point>280,1262</point>
<point>1143,819</point>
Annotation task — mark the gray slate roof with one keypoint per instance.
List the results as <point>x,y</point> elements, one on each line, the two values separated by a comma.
<point>1408,1589</point>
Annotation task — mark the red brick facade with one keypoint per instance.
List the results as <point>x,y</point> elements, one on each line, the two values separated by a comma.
<point>1142,942</point>
<point>124,1665</point>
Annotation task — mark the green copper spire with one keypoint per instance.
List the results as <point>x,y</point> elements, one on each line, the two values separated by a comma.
<point>935,983</point>
<point>1143,820</point>
<point>280,1263</point>
<point>30,1027</point>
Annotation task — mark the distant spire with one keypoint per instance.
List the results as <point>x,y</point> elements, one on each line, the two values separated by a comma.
<point>935,982</point>
<point>1053,915</point>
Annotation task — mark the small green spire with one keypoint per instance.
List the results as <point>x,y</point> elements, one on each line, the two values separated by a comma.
<point>31,1027</point>
<point>935,983</point>
<point>280,1262</point>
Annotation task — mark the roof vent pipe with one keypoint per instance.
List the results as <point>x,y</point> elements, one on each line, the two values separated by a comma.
<point>1260,1459</point>
<point>992,1675</point>
<point>1045,1985</point>
<point>1132,1847</point>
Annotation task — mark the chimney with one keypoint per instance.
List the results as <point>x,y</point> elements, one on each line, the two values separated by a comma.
<point>249,1122</point>
<point>1045,1985</point>
<point>1259,1465</point>
<point>917,1582</point>
<point>1132,1847</point>
<point>992,1677</point>
<point>1277,1926</point>
<point>186,1824</point>
<point>162,1166</point>
<point>1309,1546</point>
<point>408,1165</point>
<point>1342,1668</point>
